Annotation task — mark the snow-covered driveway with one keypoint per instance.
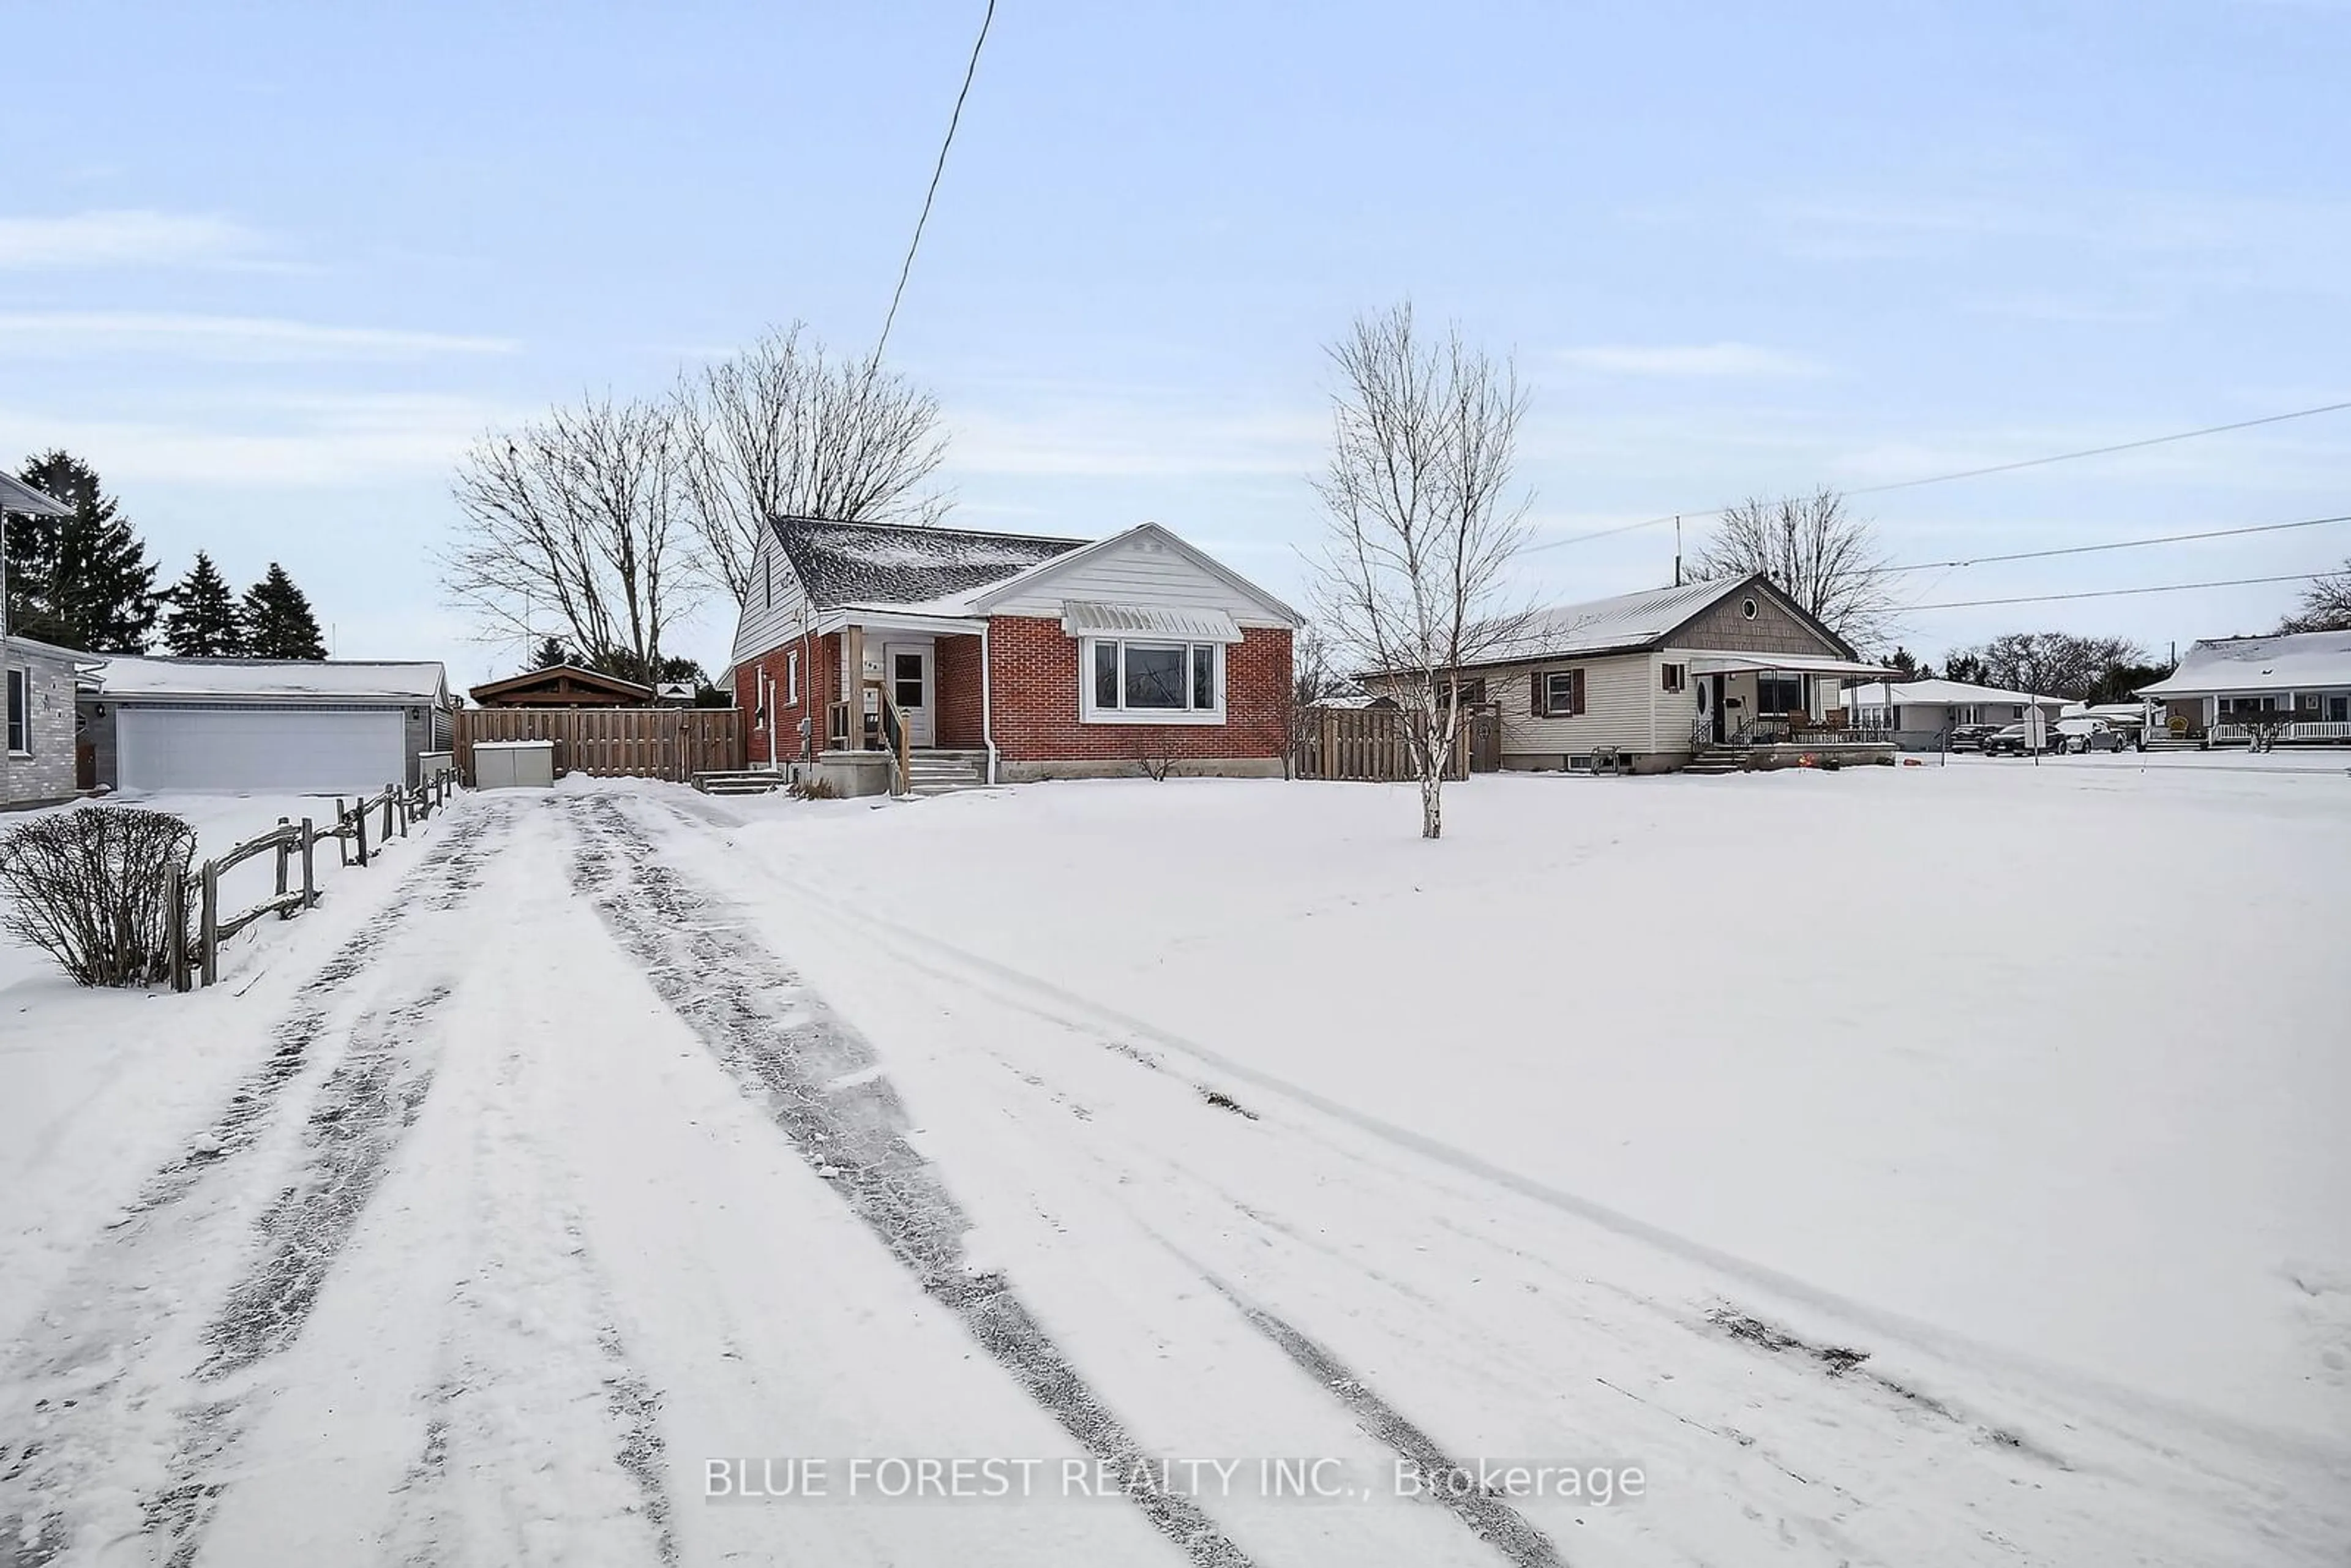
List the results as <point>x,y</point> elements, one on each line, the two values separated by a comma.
<point>620,1142</point>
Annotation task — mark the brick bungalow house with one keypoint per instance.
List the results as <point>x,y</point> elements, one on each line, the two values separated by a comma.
<point>1006,657</point>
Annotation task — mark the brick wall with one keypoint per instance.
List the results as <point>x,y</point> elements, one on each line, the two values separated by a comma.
<point>819,674</point>
<point>47,774</point>
<point>955,693</point>
<point>1033,677</point>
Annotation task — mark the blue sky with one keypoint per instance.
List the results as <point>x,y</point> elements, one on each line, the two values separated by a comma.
<point>270,267</point>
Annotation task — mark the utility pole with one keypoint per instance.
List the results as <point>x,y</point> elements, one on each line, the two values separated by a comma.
<point>1677,550</point>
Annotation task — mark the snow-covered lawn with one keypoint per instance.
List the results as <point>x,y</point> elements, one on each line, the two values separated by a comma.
<point>1214,1119</point>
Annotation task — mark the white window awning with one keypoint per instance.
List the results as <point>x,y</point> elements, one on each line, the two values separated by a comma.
<point>1794,664</point>
<point>1082,618</point>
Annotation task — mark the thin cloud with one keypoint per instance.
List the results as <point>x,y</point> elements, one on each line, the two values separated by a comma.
<point>1687,360</point>
<point>126,238</point>
<point>75,333</point>
<point>297,443</point>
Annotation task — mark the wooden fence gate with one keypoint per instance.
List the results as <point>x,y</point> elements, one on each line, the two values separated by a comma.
<point>672,743</point>
<point>1373,745</point>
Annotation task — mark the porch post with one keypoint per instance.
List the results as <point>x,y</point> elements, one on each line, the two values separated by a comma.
<point>852,654</point>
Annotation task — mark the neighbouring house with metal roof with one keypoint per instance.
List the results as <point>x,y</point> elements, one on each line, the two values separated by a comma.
<point>890,656</point>
<point>38,755</point>
<point>288,725</point>
<point>2305,676</point>
<point>1715,675</point>
<point>1921,715</point>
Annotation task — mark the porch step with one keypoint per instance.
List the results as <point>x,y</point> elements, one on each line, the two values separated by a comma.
<point>740,781</point>
<point>1714,763</point>
<point>930,773</point>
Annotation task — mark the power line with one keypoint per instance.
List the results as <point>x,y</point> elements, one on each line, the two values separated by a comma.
<point>2100,451</point>
<point>1965,472</point>
<point>2120,543</point>
<point>969,70</point>
<point>2117,592</point>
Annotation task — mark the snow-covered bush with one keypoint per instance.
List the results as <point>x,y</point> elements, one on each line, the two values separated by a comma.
<point>92,889</point>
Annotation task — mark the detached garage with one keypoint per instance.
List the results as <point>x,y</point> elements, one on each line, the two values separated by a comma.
<point>331,727</point>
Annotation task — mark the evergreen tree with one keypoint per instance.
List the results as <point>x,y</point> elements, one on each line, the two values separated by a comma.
<point>84,581</point>
<point>278,621</point>
<point>552,653</point>
<point>204,622</point>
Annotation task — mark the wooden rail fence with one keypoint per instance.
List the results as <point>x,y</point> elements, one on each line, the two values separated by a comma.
<point>672,743</point>
<point>195,954</point>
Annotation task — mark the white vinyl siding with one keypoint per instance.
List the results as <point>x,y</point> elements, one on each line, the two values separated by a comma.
<point>775,615</point>
<point>1143,572</point>
<point>1619,701</point>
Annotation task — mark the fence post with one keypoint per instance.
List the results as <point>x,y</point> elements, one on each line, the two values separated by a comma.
<point>208,931</point>
<point>342,844</point>
<point>175,888</point>
<point>358,831</point>
<point>385,837</point>
<point>283,849</point>
<point>309,869</point>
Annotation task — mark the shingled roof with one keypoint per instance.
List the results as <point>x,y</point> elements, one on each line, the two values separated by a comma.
<point>897,563</point>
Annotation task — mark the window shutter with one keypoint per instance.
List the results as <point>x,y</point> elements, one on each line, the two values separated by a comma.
<point>1535,696</point>
<point>1578,691</point>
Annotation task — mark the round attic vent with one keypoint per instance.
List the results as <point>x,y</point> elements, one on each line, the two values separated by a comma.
<point>1747,608</point>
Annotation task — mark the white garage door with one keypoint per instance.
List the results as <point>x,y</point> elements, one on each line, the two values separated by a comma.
<point>354,750</point>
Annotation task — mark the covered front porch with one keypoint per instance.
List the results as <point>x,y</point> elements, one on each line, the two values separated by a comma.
<point>1776,710</point>
<point>905,703</point>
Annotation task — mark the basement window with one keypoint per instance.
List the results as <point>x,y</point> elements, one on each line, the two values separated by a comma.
<point>1139,682</point>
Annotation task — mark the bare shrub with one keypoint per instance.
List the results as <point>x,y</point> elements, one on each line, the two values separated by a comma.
<point>91,888</point>
<point>813,787</point>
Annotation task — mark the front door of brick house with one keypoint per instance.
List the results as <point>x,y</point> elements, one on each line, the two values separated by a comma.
<point>910,688</point>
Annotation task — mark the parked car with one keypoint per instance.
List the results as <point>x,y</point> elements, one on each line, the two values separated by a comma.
<point>2090,733</point>
<point>1971,736</point>
<point>2009,740</point>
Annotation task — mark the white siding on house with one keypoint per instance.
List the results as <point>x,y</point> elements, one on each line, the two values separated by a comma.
<point>1143,571</point>
<point>777,608</point>
<point>1618,690</point>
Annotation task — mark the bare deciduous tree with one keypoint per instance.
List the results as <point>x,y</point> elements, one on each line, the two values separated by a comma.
<point>2047,664</point>
<point>1423,528</point>
<point>578,514</point>
<point>1816,551</point>
<point>2326,604</point>
<point>781,429</point>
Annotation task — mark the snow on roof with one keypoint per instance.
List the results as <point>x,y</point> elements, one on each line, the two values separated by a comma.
<point>1927,694</point>
<point>1626,621</point>
<point>341,680</point>
<point>21,498</point>
<point>2303,661</point>
<point>898,563</point>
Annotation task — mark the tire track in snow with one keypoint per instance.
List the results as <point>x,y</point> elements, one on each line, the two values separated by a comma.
<point>105,1331</point>
<point>820,1083</point>
<point>441,879</point>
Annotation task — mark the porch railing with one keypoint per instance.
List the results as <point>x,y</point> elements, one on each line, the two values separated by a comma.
<point>845,731</point>
<point>1795,729</point>
<point>2297,729</point>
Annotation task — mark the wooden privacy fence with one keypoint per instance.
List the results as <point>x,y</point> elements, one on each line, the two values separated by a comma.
<point>672,743</point>
<point>1373,745</point>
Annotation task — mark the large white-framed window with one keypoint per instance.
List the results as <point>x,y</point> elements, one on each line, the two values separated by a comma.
<point>20,712</point>
<point>1144,680</point>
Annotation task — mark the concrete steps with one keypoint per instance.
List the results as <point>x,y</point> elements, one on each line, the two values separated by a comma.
<point>740,781</point>
<point>933,773</point>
